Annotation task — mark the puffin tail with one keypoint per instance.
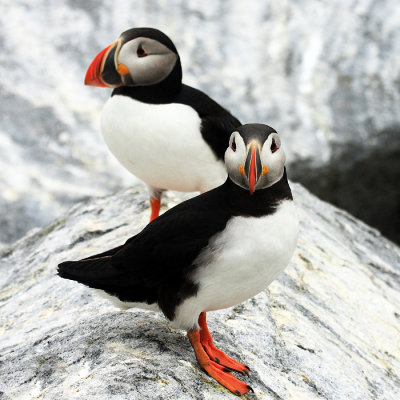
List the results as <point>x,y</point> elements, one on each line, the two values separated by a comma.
<point>93,272</point>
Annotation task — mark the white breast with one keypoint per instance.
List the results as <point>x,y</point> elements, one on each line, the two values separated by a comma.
<point>161,144</point>
<point>241,262</point>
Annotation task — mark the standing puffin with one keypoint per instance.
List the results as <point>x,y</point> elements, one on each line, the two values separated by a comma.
<point>207,253</point>
<point>168,134</point>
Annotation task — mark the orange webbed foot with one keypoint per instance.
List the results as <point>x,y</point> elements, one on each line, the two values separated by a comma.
<point>215,362</point>
<point>215,354</point>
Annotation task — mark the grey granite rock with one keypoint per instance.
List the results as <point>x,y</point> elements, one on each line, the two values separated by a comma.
<point>328,328</point>
<point>324,74</point>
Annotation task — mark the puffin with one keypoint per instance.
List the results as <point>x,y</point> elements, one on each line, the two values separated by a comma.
<point>169,135</point>
<point>210,252</point>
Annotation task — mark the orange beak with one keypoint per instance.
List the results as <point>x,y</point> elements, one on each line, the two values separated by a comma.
<point>102,71</point>
<point>253,171</point>
<point>252,166</point>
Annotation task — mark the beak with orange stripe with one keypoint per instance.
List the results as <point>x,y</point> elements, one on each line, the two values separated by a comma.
<point>254,158</point>
<point>252,166</point>
<point>104,70</point>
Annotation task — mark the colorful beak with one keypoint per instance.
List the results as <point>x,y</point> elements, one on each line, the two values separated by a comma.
<point>252,167</point>
<point>102,71</point>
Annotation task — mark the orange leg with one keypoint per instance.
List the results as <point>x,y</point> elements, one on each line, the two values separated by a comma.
<point>216,370</point>
<point>215,354</point>
<point>155,208</point>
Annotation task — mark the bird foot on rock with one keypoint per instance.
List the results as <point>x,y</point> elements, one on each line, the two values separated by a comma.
<point>221,358</point>
<point>215,362</point>
<point>217,371</point>
<point>215,354</point>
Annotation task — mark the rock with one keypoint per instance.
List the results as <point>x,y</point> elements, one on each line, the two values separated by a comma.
<point>367,185</point>
<point>322,73</point>
<point>327,328</point>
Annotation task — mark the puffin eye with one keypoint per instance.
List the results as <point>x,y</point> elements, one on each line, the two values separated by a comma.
<point>233,145</point>
<point>274,147</point>
<point>141,51</point>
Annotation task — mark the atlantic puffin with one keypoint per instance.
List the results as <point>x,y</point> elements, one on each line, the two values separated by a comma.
<point>208,253</point>
<point>168,134</point>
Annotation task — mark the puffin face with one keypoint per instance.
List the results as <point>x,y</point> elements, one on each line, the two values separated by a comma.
<point>139,57</point>
<point>255,159</point>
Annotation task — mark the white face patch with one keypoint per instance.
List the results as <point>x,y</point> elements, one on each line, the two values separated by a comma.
<point>272,161</point>
<point>149,62</point>
<point>235,158</point>
<point>273,157</point>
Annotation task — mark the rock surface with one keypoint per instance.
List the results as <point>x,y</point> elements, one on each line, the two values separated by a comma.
<point>328,328</point>
<point>324,74</point>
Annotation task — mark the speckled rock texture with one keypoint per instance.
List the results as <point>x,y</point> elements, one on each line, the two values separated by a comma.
<point>327,328</point>
<point>323,73</point>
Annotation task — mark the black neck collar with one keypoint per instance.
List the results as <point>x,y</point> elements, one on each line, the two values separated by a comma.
<point>261,202</point>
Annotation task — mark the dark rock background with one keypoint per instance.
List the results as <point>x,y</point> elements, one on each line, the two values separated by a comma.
<point>367,185</point>
<point>325,74</point>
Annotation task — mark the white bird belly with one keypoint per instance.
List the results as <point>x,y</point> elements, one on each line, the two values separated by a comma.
<point>125,305</point>
<point>241,262</point>
<point>161,144</point>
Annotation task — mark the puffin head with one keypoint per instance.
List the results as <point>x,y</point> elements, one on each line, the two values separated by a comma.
<point>139,57</point>
<point>255,159</point>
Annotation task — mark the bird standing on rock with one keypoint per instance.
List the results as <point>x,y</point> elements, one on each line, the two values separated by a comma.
<point>168,134</point>
<point>208,253</point>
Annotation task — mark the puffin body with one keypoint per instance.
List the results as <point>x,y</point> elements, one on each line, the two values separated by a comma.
<point>160,149</point>
<point>207,253</point>
<point>168,134</point>
<point>231,268</point>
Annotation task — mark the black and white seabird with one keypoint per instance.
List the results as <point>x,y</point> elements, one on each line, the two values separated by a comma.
<point>168,134</point>
<point>208,253</point>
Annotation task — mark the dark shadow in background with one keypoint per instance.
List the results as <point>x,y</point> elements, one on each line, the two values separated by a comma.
<point>366,183</point>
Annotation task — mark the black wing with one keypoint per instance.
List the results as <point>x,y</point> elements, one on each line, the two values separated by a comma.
<point>217,122</point>
<point>156,264</point>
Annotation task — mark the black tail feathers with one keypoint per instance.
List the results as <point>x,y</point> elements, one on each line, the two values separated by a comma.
<point>92,272</point>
